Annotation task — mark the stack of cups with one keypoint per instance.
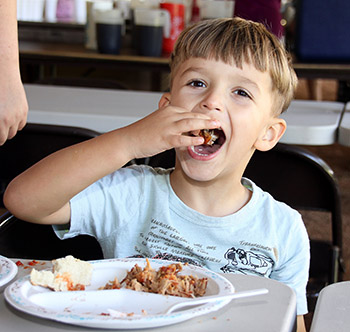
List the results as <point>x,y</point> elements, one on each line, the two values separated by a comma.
<point>90,27</point>
<point>150,27</point>
<point>109,30</point>
<point>216,8</point>
<point>74,10</point>
<point>65,10</point>
<point>50,10</point>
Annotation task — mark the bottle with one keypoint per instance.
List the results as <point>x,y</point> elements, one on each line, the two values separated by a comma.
<point>195,17</point>
<point>65,10</point>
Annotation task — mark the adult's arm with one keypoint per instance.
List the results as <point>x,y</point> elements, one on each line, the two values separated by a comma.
<point>13,101</point>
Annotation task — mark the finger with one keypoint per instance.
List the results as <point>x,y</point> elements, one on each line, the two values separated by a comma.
<point>194,115</point>
<point>3,136</point>
<point>195,125</point>
<point>195,132</point>
<point>12,132</point>
<point>22,124</point>
<point>184,141</point>
<point>185,112</point>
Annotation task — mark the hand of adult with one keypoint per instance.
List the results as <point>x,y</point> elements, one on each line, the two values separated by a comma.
<point>13,108</point>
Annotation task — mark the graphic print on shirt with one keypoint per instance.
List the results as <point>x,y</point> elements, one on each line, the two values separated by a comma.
<point>164,241</point>
<point>168,257</point>
<point>246,262</point>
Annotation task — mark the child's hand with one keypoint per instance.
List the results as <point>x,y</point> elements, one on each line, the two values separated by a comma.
<point>168,127</point>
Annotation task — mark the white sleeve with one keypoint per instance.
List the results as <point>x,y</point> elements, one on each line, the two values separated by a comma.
<point>105,205</point>
<point>293,266</point>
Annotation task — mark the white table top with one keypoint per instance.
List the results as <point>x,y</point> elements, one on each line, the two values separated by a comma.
<point>312,122</point>
<point>344,128</point>
<point>332,312</point>
<point>102,110</point>
<point>275,311</point>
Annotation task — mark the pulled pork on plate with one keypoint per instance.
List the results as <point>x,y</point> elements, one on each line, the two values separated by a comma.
<point>165,281</point>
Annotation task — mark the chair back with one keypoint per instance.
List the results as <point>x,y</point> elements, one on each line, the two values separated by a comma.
<point>305,182</point>
<point>21,239</point>
<point>27,240</point>
<point>33,143</point>
<point>300,179</point>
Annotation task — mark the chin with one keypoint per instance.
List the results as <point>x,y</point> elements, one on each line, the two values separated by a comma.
<point>197,170</point>
<point>199,176</point>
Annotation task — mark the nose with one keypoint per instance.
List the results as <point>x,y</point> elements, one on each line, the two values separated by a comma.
<point>212,101</point>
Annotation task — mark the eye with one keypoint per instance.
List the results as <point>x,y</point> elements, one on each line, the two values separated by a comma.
<point>242,93</point>
<point>197,84</point>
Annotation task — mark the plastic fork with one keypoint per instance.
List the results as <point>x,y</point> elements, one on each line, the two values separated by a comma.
<point>214,298</point>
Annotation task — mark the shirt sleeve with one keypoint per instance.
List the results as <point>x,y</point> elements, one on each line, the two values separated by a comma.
<point>105,205</point>
<point>293,266</point>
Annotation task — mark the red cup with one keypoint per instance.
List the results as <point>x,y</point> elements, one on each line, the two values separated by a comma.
<point>177,24</point>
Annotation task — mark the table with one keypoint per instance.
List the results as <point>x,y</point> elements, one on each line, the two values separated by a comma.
<point>344,127</point>
<point>102,110</point>
<point>312,122</point>
<point>332,311</point>
<point>275,311</point>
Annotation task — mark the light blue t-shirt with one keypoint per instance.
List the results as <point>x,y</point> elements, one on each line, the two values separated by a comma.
<point>135,212</point>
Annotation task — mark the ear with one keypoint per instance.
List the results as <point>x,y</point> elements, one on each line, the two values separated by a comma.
<point>164,100</point>
<point>271,135</point>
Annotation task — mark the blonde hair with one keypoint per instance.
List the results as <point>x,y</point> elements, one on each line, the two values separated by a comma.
<point>236,41</point>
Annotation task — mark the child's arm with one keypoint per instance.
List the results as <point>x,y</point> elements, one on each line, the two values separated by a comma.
<point>301,324</point>
<point>42,193</point>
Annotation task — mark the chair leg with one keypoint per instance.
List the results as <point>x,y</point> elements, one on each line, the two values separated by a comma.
<point>334,273</point>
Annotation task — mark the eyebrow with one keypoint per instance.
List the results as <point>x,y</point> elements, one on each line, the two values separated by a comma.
<point>248,81</point>
<point>189,69</point>
<point>242,78</point>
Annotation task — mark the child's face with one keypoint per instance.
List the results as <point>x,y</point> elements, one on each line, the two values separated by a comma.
<point>241,99</point>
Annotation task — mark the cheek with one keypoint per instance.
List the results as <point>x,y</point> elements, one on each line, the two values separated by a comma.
<point>186,103</point>
<point>245,133</point>
<point>242,124</point>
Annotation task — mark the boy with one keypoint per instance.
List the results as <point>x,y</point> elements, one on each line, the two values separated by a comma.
<point>231,77</point>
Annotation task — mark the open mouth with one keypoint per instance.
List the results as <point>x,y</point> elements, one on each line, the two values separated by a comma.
<point>213,140</point>
<point>209,136</point>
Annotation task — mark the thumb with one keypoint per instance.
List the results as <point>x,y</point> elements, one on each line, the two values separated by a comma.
<point>164,100</point>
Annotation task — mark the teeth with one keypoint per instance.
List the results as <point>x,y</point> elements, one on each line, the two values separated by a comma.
<point>198,152</point>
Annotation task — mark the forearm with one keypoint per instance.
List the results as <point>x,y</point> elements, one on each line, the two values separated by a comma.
<point>301,324</point>
<point>38,193</point>
<point>8,36</point>
<point>13,101</point>
<point>41,194</point>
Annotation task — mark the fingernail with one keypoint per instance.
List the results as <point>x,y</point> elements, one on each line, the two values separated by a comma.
<point>198,140</point>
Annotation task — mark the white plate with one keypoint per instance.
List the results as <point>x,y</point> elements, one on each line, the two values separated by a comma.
<point>8,270</point>
<point>90,307</point>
